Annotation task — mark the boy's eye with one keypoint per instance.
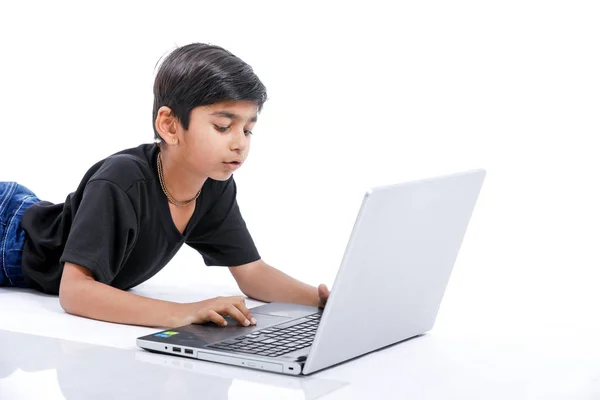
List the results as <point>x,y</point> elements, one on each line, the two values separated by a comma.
<point>226,128</point>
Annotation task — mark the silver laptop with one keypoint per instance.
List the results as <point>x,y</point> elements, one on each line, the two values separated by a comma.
<point>389,287</point>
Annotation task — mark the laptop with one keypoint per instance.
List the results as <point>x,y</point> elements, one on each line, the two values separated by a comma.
<point>388,288</point>
<point>261,385</point>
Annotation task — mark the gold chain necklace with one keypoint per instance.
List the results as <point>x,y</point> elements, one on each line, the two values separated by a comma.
<point>164,187</point>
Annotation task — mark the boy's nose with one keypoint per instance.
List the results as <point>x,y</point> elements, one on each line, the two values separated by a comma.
<point>239,141</point>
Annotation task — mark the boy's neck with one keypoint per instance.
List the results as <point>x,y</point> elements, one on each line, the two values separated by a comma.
<point>180,183</point>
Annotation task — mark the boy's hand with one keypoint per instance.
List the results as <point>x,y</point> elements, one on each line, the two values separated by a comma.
<point>213,310</point>
<point>323,295</point>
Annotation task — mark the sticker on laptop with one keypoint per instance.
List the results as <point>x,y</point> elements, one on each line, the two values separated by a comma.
<point>166,334</point>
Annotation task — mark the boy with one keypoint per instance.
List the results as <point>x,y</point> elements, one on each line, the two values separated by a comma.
<point>133,210</point>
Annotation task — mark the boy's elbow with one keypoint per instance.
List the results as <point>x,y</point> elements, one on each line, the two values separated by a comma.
<point>71,289</point>
<point>246,293</point>
<point>66,296</point>
<point>247,289</point>
<point>64,303</point>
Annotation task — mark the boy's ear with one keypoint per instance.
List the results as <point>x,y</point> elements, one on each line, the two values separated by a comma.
<point>166,125</point>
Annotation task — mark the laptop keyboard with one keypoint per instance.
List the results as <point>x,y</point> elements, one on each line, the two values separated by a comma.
<point>275,340</point>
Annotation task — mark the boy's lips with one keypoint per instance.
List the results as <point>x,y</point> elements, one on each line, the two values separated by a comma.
<point>233,165</point>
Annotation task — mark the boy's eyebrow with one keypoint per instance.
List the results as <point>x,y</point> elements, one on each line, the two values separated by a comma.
<point>231,115</point>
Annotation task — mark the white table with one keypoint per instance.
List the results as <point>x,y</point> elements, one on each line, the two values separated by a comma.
<point>46,353</point>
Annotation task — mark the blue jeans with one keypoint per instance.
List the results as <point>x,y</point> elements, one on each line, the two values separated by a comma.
<point>14,200</point>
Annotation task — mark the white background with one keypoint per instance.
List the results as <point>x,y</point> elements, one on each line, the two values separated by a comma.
<point>360,94</point>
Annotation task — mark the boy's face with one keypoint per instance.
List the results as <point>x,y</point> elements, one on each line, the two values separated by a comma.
<point>218,135</point>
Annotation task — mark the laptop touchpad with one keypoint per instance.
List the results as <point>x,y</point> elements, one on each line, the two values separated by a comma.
<point>209,333</point>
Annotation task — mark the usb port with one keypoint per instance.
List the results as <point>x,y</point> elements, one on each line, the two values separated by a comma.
<point>189,351</point>
<point>177,349</point>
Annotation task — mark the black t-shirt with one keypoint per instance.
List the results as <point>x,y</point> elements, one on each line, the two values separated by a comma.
<point>118,225</point>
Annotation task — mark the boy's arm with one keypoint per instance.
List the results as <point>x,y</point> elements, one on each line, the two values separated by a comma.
<point>265,283</point>
<point>81,294</point>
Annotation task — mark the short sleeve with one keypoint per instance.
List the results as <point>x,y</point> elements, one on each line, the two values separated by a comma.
<point>103,230</point>
<point>229,243</point>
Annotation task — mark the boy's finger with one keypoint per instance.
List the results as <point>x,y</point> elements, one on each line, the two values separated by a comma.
<point>323,291</point>
<point>236,314</point>
<point>216,318</point>
<point>244,309</point>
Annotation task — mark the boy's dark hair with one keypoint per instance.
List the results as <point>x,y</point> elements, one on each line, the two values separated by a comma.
<point>200,74</point>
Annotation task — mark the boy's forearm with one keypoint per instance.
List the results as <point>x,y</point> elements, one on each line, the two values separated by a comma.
<point>92,299</point>
<point>268,284</point>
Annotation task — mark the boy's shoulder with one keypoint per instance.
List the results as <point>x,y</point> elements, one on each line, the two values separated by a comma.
<point>125,167</point>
